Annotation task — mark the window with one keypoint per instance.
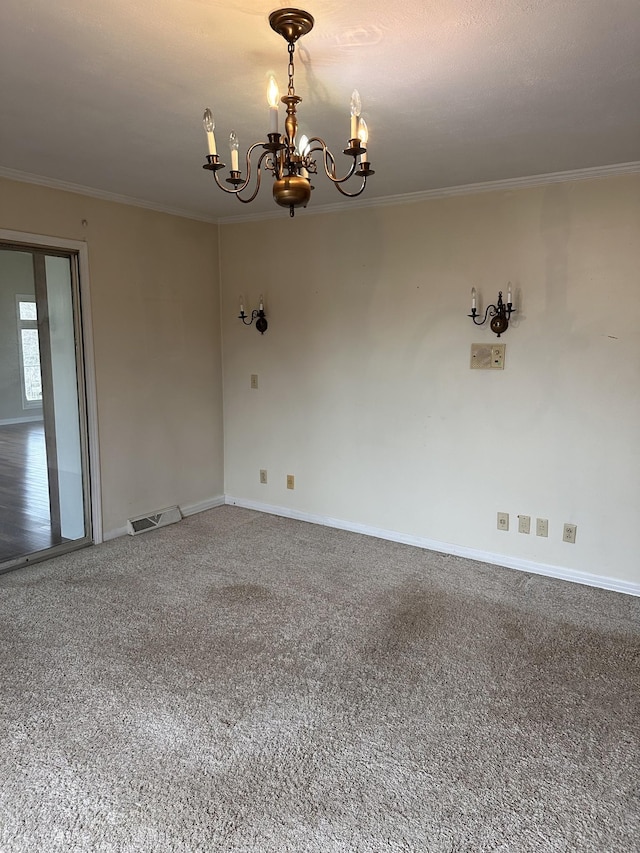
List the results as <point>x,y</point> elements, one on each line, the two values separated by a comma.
<point>29,351</point>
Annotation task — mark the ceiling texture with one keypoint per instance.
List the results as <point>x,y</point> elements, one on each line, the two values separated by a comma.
<point>109,96</point>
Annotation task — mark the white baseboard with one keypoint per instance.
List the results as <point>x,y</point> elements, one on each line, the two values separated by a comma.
<point>446,548</point>
<point>115,533</point>
<point>27,419</point>
<point>201,506</point>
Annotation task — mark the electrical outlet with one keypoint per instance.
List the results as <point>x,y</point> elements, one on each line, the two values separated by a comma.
<point>254,380</point>
<point>263,476</point>
<point>542,527</point>
<point>569,533</point>
<point>291,481</point>
<point>524,524</point>
<point>503,521</point>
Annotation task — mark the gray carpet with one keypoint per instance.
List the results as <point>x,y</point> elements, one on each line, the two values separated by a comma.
<point>241,682</point>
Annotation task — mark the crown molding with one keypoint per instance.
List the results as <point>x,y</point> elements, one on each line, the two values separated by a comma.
<point>448,192</point>
<point>386,201</point>
<point>103,195</point>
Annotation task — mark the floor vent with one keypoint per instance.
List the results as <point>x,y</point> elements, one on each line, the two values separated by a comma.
<point>150,522</point>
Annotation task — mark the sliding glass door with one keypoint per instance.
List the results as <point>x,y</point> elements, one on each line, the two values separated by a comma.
<point>44,504</point>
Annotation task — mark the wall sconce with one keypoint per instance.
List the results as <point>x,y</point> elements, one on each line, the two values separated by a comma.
<point>257,314</point>
<point>500,314</point>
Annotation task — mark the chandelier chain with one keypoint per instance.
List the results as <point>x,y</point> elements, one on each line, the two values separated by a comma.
<point>291,91</point>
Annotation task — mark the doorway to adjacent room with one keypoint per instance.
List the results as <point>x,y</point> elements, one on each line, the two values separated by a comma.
<point>45,494</point>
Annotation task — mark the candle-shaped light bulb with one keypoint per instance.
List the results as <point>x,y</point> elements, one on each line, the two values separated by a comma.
<point>233,148</point>
<point>261,303</point>
<point>303,150</point>
<point>363,136</point>
<point>273,96</point>
<point>356,109</point>
<point>209,126</point>
<point>241,304</point>
<point>509,294</point>
<point>473,299</point>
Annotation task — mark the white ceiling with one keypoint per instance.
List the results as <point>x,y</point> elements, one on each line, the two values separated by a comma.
<point>110,95</point>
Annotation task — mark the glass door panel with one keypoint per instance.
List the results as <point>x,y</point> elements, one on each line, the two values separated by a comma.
<point>43,458</point>
<point>64,418</point>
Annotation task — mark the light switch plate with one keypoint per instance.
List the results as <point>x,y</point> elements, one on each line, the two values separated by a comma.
<point>497,357</point>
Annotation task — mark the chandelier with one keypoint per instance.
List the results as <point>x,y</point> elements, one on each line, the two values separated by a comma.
<point>289,160</point>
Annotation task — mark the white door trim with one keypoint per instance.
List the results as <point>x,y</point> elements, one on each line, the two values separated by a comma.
<point>79,246</point>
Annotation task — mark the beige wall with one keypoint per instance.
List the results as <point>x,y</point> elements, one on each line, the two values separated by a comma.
<point>365,391</point>
<point>155,306</point>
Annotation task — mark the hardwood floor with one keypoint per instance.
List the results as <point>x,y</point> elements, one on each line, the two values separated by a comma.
<point>25,521</point>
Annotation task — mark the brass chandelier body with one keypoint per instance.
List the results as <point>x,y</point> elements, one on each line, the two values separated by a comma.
<point>289,166</point>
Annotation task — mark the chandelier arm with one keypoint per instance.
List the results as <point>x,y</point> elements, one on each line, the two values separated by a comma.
<point>332,175</point>
<point>245,183</point>
<point>330,164</point>
<point>258,180</point>
<point>327,156</point>
<point>224,189</point>
<point>352,195</point>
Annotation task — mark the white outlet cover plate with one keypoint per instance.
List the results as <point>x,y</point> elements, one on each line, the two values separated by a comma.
<point>524,524</point>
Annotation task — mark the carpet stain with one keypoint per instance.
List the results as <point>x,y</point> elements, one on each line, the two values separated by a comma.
<point>240,593</point>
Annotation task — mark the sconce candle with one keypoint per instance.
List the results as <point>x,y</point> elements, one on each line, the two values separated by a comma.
<point>509,299</point>
<point>473,299</point>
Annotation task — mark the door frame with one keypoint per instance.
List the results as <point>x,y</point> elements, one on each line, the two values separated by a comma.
<point>80,248</point>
